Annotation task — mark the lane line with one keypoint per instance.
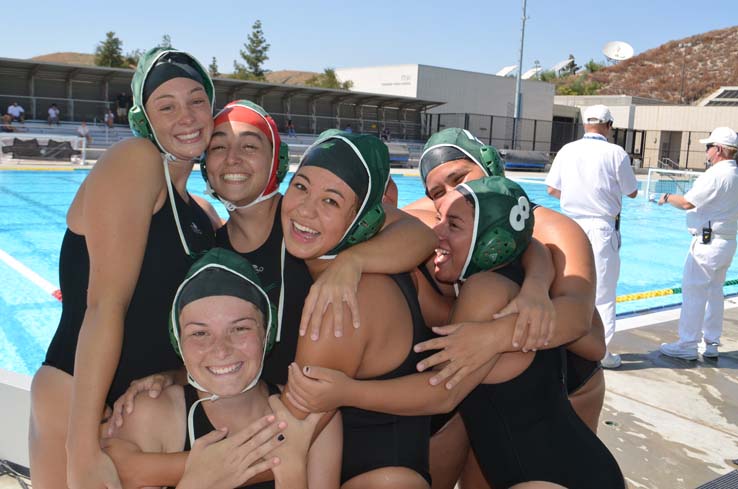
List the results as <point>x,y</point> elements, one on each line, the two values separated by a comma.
<point>30,275</point>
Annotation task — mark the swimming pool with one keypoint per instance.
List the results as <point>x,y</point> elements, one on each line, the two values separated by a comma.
<point>33,207</point>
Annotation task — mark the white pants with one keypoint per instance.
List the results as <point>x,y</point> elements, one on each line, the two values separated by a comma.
<point>702,290</point>
<point>605,242</point>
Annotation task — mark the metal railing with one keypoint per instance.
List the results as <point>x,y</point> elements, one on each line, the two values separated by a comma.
<point>70,109</point>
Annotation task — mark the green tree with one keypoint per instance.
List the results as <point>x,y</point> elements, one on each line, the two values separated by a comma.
<point>592,66</point>
<point>572,68</point>
<point>166,41</point>
<point>547,76</point>
<point>131,57</point>
<point>213,68</point>
<point>254,55</point>
<point>578,86</point>
<point>110,52</point>
<point>328,79</point>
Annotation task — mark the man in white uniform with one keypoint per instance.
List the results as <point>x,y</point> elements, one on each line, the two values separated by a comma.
<point>712,219</point>
<point>590,176</point>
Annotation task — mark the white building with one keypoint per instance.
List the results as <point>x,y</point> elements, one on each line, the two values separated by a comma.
<point>660,134</point>
<point>463,91</point>
<point>480,102</point>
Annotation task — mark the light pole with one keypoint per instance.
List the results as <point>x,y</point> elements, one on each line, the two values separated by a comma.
<point>683,46</point>
<point>516,113</point>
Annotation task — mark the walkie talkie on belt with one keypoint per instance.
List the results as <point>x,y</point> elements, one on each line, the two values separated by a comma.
<point>707,233</point>
<point>617,222</point>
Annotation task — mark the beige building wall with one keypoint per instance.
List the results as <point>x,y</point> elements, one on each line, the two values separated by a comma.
<point>388,80</point>
<point>656,119</point>
<point>463,91</point>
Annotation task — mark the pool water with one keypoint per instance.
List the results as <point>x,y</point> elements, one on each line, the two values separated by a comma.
<point>33,207</point>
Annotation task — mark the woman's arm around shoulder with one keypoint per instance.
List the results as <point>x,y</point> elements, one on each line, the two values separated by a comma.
<point>157,426</point>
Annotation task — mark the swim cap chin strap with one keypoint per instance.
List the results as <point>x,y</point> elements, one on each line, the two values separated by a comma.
<point>217,254</point>
<point>251,113</point>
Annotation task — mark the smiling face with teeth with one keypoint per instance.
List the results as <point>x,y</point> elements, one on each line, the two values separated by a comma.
<point>179,113</point>
<point>454,229</point>
<point>222,341</point>
<point>239,161</point>
<point>317,209</point>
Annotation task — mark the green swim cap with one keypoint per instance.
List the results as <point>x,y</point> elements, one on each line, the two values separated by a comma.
<point>362,161</point>
<point>454,144</point>
<point>137,117</point>
<point>223,272</point>
<point>503,223</point>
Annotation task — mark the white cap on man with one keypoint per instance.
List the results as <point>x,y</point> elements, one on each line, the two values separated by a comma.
<point>597,114</point>
<point>722,136</point>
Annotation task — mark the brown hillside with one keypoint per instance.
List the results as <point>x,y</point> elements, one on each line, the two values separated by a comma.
<point>67,58</point>
<point>289,77</point>
<point>709,63</point>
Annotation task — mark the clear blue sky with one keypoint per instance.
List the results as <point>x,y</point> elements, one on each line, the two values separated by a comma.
<point>473,35</point>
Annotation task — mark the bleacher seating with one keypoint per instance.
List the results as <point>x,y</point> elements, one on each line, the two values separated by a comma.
<point>402,154</point>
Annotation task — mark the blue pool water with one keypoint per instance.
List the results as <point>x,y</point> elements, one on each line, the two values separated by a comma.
<point>33,206</point>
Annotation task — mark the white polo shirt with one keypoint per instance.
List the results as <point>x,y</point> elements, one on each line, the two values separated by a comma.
<point>715,199</point>
<point>15,110</point>
<point>592,175</point>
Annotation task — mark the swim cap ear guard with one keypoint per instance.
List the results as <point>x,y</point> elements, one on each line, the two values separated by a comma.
<point>372,158</point>
<point>459,143</point>
<point>228,261</point>
<point>137,118</point>
<point>503,223</point>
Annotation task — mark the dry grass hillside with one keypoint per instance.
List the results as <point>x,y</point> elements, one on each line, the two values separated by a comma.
<point>67,58</point>
<point>289,77</point>
<point>710,60</point>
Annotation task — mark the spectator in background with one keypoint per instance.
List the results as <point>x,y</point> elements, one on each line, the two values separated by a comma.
<point>712,219</point>
<point>290,128</point>
<point>16,112</point>
<point>590,176</point>
<point>84,132</point>
<point>349,129</point>
<point>122,104</point>
<point>7,125</point>
<point>109,118</point>
<point>54,114</point>
<point>385,135</point>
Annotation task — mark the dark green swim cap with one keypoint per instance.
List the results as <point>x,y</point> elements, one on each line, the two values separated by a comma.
<point>453,144</point>
<point>187,66</point>
<point>362,161</point>
<point>222,272</point>
<point>503,223</point>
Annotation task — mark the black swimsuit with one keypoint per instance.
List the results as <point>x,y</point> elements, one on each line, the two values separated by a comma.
<point>146,348</point>
<point>526,430</point>
<point>373,440</point>
<point>202,426</point>
<point>266,263</point>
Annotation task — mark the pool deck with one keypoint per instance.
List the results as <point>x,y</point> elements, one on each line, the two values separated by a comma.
<point>670,423</point>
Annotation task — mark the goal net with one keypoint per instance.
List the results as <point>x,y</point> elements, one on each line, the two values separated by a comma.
<point>49,147</point>
<point>661,181</point>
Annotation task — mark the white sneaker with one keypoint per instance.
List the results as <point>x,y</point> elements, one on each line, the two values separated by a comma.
<point>676,350</point>
<point>611,360</point>
<point>711,350</point>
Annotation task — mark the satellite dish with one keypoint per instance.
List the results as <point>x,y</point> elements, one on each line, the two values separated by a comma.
<point>617,50</point>
<point>531,72</point>
<point>562,64</point>
<point>507,70</point>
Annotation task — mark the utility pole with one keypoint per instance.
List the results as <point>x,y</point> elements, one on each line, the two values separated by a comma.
<point>683,46</point>
<point>518,95</point>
